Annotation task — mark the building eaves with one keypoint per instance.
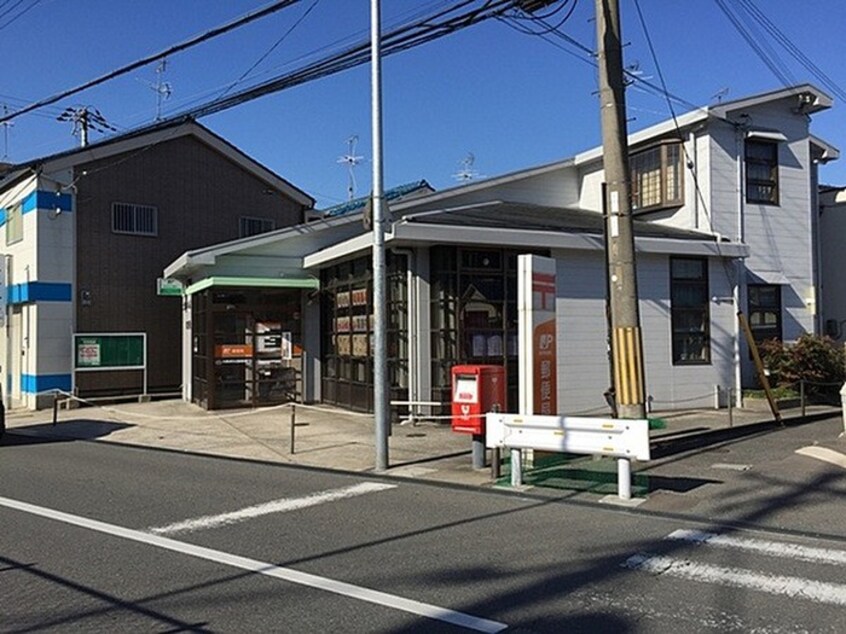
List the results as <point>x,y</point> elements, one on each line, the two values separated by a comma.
<point>503,215</point>
<point>809,97</point>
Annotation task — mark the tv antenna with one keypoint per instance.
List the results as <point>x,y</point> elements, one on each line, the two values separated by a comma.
<point>84,119</point>
<point>6,126</point>
<point>633,73</point>
<point>163,89</point>
<point>351,159</point>
<point>722,92</point>
<point>467,173</point>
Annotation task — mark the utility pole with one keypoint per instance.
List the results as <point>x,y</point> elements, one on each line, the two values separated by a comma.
<point>84,119</point>
<point>626,342</point>
<point>380,347</point>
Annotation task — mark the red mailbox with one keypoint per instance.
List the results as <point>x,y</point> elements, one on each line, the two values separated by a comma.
<point>476,390</point>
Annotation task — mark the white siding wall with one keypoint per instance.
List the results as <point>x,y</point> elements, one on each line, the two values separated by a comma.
<point>583,373</point>
<point>556,188</point>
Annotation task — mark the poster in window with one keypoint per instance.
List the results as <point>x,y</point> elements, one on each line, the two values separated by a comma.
<point>495,346</point>
<point>268,342</point>
<point>342,324</point>
<point>359,346</point>
<point>344,345</point>
<point>342,300</point>
<point>360,323</point>
<point>359,297</point>
<point>479,345</point>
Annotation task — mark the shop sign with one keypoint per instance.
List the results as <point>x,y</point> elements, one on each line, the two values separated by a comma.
<point>538,349</point>
<point>233,351</point>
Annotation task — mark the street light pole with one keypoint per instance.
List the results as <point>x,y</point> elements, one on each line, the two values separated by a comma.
<point>626,344</point>
<point>380,348</point>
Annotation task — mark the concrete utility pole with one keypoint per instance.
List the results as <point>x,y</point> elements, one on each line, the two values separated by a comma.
<point>380,347</point>
<point>626,344</point>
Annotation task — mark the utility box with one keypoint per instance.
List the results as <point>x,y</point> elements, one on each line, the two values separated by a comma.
<point>476,390</point>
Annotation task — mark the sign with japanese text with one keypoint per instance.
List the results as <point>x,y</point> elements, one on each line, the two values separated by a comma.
<point>538,363</point>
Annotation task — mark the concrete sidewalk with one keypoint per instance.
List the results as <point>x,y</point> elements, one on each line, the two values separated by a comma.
<point>332,438</point>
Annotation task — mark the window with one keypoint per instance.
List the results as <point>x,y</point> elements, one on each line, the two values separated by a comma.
<point>657,177</point>
<point>139,220</point>
<point>762,172</point>
<point>765,311</point>
<point>14,224</point>
<point>689,307</point>
<point>252,226</point>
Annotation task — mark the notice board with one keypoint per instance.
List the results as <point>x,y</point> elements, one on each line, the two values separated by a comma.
<point>109,351</point>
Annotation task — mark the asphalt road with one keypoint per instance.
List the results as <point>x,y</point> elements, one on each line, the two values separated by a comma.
<point>97,537</point>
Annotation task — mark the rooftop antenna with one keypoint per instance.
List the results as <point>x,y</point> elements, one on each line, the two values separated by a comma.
<point>467,173</point>
<point>85,118</point>
<point>722,92</point>
<point>6,126</point>
<point>633,73</point>
<point>350,159</point>
<point>163,89</point>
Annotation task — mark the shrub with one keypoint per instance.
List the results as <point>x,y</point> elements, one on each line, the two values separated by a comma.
<point>817,360</point>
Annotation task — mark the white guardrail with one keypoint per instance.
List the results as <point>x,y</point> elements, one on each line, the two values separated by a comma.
<point>617,437</point>
<point>625,439</point>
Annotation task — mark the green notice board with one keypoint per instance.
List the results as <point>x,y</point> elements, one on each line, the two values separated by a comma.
<point>109,351</point>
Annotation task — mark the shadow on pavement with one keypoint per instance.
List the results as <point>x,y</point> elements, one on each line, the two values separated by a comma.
<point>65,431</point>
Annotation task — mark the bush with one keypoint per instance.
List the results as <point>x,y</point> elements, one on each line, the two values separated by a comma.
<point>817,360</point>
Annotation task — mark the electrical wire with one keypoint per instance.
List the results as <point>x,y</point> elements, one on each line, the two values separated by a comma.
<point>19,15</point>
<point>400,39</point>
<point>791,48</point>
<point>193,41</point>
<point>754,45</point>
<point>276,44</point>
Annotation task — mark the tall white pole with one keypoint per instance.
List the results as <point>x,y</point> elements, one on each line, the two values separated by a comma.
<point>380,348</point>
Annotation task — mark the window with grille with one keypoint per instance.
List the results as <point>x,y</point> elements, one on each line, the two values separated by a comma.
<point>762,172</point>
<point>14,224</point>
<point>248,226</point>
<point>689,306</point>
<point>139,220</point>
<point>657,177</point>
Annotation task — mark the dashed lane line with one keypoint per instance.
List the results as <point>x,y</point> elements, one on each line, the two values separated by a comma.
<point>824,454</point>
<point>767,547</point>
<point>376,597</point>
<point>795,587</point>
<point>267,508</point>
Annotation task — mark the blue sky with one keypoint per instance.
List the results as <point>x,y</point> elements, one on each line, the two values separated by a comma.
<point>510,99</point>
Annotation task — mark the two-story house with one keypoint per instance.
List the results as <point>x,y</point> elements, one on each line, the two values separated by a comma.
<point>87,232</point>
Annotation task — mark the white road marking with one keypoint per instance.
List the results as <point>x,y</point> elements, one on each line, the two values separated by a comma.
<point>731,466</point>
<point>437,613</point>
<point>824,454</point>
<point>277,506</point>
<point>795,587</point>
<point>777,549</point>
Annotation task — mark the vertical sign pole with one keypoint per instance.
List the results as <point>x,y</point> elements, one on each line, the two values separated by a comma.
<point>538,344</point>
<point>380,348</point>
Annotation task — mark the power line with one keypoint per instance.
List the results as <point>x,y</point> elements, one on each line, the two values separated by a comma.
<point>791,48</point>
<point>270,50</point>
<point>19,15</point>
<point>754,45</point>
<point>404,37</point>
<point>225,28</point>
